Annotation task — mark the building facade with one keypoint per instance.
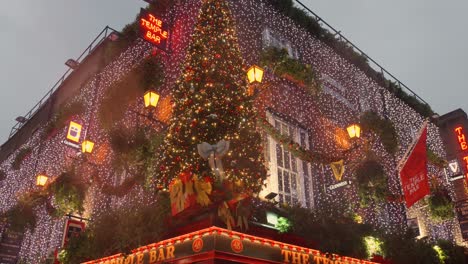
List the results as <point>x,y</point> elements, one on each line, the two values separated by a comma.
<point>314,121</point>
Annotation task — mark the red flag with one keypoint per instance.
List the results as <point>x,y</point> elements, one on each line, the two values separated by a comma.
<point>413,175</point>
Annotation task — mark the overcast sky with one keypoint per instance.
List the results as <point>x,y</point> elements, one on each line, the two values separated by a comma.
<point>422,42</point>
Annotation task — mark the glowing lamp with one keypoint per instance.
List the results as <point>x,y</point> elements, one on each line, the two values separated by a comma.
<point>41,180</point>
<point>354,131</point>
<point>151,99</point>
<point>255,74</point>
<point>87,146</point>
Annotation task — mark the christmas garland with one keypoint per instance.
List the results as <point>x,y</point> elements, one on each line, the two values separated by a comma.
<point>279,62</point>
<point>295,149</point>
<point>22,154</point>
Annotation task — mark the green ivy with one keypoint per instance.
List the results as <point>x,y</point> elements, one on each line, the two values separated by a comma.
<point>339,235</point>
<point>384,128</point>
<point>283,225</point>
<point>435,160</point>
<point>22,154</point>
<point>440,206</point>
<point>301,18</point>
<point>62,116</point>
<point>120,230</point>
<point>148,75</point>
<point>69,193</point>
<point>22,216</point>
<point>453,254</point>
<point>295,149</point>
<point>135,151</point>
<point>280,63</point>
<point>371,182</point>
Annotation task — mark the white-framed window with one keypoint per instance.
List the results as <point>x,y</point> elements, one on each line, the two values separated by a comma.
<point>289,176</point>
<point>272,39</point>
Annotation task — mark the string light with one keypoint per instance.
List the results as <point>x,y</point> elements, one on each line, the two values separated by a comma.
<point>321,115</point>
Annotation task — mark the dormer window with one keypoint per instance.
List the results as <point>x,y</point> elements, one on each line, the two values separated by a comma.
<point>272,39</point>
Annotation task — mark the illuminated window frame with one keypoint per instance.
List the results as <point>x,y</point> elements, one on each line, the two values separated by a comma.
<point>296,187</point>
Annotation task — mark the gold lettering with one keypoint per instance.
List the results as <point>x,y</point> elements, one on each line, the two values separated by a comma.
<point>140,258</point>
<point>459,130</point>
<point>319,260</point>
<point>170,252</point>
<point>305,258</point>
<point>296,258</point>
<point>463,146</point>
<point>161,254</point>
<point>153,256</point>
<point>286,255</point>
<point>129,259</point>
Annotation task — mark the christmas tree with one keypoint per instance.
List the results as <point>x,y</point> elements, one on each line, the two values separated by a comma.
<point>212,106</point>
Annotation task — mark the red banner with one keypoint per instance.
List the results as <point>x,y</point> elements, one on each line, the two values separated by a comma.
<point>414,172</point>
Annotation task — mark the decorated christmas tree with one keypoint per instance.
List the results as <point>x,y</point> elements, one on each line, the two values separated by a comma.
<point>212,135</point>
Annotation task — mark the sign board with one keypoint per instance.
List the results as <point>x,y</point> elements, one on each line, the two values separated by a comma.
<point>339,185</point>
<point>228,245</point>
<point>72,228</point>
<point>74,132</point>
<point>153,29</point>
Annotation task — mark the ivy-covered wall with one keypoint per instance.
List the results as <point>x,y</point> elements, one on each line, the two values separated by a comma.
<point>346,93</point>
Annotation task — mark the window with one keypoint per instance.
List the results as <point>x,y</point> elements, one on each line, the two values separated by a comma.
<point>271,39</point>
<point>290,177</point>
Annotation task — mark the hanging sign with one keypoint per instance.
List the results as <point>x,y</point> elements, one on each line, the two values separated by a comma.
<point>72,228</point>
<point>153,29</point>
<point>74,132</point>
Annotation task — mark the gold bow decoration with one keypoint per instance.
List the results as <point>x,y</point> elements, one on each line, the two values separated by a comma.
<point>176,193</point>
<point>225,214</point>
<point>203,189</point>
<point>338,169</point>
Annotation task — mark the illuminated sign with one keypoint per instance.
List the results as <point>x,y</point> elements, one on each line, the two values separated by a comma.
<point>74,132</point>
<point>153,30</point>
<point>191,247</point>
<point>461,139</point>
<point>454,168</point>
